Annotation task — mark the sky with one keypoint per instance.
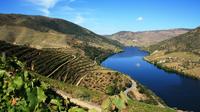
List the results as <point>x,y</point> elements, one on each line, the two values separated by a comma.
<point>111,16</point>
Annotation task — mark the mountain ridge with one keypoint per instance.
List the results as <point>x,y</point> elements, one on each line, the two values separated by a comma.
<point>170,29</point>
<point>146,38</point>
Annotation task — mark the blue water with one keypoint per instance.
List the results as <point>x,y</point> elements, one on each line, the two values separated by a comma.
<point>176,90</point>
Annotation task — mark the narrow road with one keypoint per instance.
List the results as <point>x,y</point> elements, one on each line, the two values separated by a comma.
<point>78,102</point>
<point>133,86</point>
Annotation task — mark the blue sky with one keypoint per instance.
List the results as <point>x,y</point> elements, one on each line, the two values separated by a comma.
<point>110,16</point>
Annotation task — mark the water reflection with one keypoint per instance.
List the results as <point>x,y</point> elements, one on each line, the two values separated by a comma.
<point>175,90</point>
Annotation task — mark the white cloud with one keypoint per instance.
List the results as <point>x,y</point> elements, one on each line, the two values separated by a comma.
<point>79,19</point>
<point>45,5</point>
<point>78,15</point>
<point>140,19</point>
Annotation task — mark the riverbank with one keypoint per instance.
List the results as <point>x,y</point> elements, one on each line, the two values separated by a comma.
<point>172,88</point>
<point>140,92</point>
<point>183,63</point>
<point>167,69</point>
<point>100,59</point>
<point>170,70</point>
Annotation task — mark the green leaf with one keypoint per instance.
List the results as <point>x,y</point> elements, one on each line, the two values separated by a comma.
<point>26,75</point>
<point>41,95</point>
<point>18,82</point>
<point>119,103</point>
<point>55,101</point>
<point>76,109</point>
<point>32,98</point>
<point>44,85</point>
<point>20,64</point>
<point>2,72</point>
<point>22,106</point>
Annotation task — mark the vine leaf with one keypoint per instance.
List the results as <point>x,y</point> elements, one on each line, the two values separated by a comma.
<point>18,82</point>
<point>41,95</point>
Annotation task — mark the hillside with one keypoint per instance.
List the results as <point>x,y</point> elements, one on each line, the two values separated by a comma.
<point>71,67</point>
<point>180,54</point>
<point>68,66</point>
<point>186,42</point>
<point>23,90</point>
<point>145,38</point>
<point>44,32</point>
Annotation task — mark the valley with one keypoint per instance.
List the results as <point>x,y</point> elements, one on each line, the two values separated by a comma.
<point>177,54</point>
<point>99,56</point>
<point>70,66</point>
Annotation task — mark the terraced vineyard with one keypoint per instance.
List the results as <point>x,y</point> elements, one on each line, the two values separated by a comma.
<point>68,66</point>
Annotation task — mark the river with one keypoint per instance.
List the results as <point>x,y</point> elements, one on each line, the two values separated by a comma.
<point>175,89</point>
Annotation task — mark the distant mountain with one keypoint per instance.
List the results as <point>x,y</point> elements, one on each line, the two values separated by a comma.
<point>44,32</point>
<point>145,38</point>
<point>180,54</point>
<point>186,42</point>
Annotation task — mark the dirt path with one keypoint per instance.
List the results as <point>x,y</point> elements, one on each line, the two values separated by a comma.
<point>133,86</point>
<point>133,89</point>
<point>78,102</point>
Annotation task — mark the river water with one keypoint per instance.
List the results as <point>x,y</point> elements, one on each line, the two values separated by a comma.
<point>176,90</point>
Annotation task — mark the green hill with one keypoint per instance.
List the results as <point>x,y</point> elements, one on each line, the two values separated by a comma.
<point>45,24</point>
<point>180,54</point>
<point>44,32</point>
